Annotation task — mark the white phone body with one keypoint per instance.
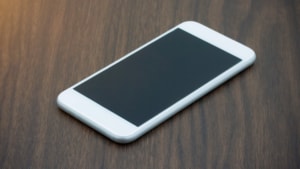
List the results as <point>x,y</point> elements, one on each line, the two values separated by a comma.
<point>118,128</point>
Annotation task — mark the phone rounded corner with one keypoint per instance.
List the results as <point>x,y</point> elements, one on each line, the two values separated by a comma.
<point>59,99</point>
<point>189,23</point>
<point>251,56</point>
<point>123,138</point>
<point>62,100</point>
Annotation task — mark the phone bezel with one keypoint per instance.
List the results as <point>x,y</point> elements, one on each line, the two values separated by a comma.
<point>122,131</point>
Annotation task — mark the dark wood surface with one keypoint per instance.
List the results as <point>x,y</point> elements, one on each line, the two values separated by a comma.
<point>252,121</point>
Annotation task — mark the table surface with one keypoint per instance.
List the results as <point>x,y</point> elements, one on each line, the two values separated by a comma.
<point>252,121</point>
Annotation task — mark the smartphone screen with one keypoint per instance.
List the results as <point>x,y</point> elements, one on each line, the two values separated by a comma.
<point>157,76</point>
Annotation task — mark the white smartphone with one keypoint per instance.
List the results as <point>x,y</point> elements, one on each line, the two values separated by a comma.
<point>136,93</point>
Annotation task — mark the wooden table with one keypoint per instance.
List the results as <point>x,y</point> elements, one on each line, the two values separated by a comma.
<point>253,121</point>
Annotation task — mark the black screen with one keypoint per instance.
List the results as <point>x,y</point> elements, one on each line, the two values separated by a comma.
<point>159,75</point>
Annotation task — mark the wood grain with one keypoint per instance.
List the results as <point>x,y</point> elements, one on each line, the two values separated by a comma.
<point>253,121</point>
